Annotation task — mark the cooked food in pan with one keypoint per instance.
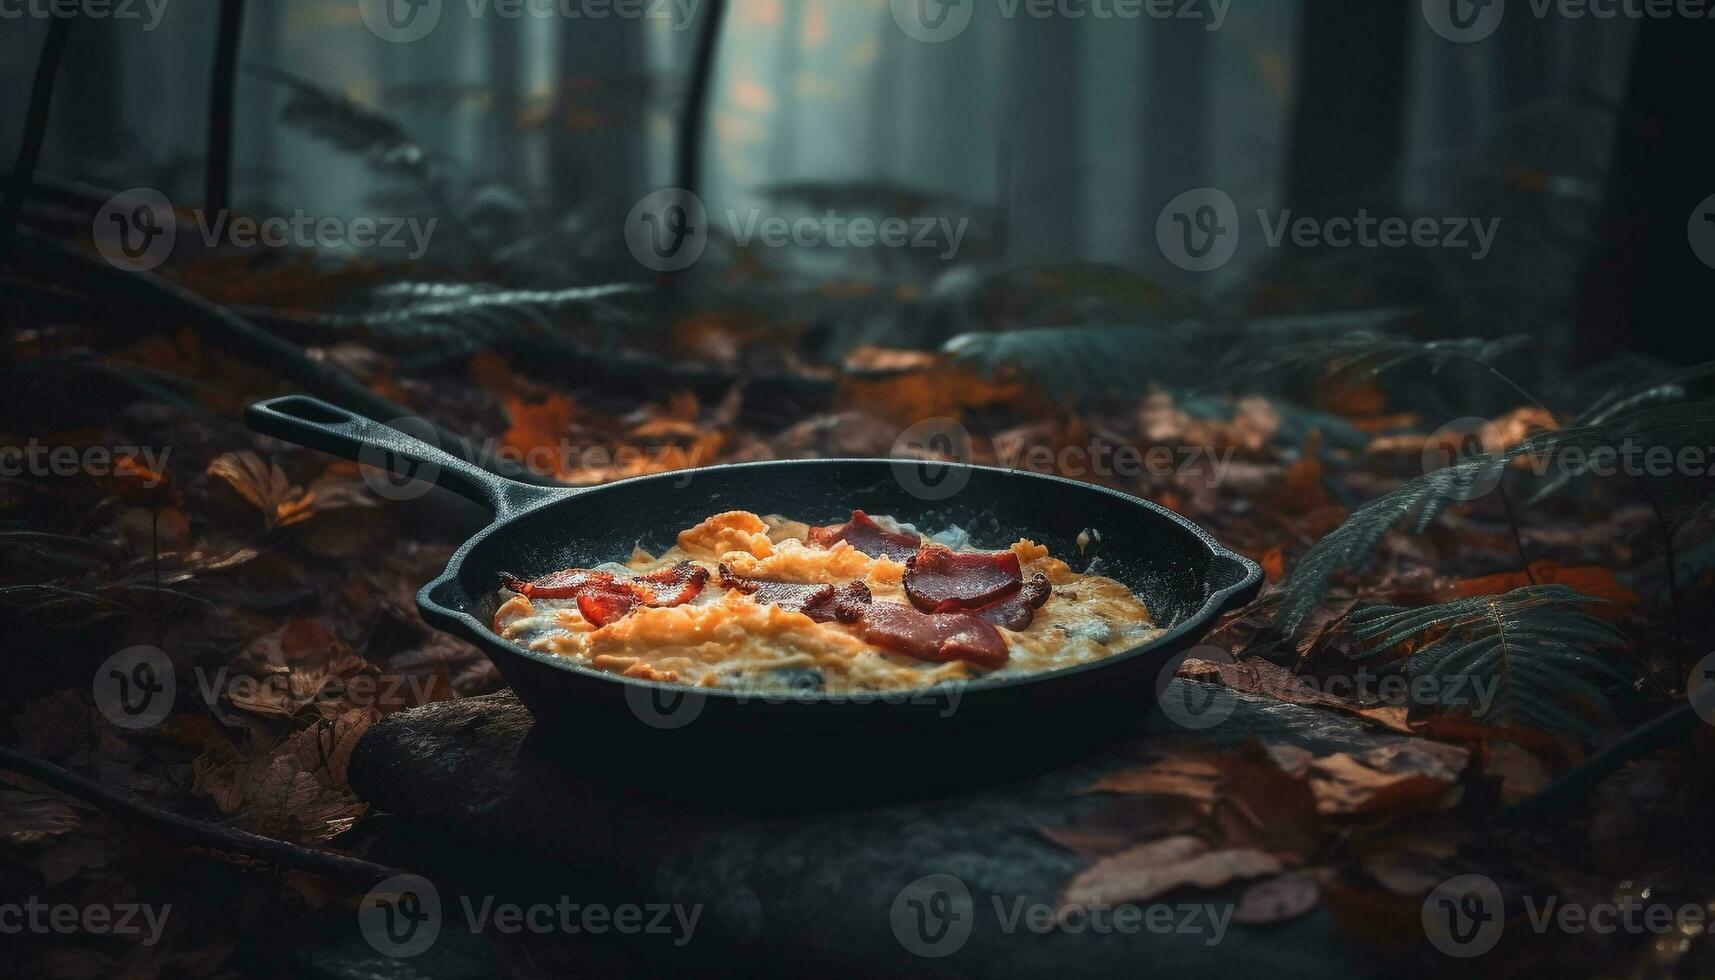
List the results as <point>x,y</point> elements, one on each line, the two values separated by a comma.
<point>766,603</point>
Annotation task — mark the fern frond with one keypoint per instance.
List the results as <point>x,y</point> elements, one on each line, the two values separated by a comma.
<point>427,323</point>
<point>1418,502</point>
<point>1368,354</point>
<point>349,126</point>
<point>1092,360</point>
<point>1085,361</point>
<point>1536,640</point>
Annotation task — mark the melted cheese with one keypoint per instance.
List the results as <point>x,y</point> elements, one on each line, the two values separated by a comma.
<point>727,639</point>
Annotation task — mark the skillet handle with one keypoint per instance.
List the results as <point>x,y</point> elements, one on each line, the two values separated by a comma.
<point>1239,578</point>
<point>404,456</point>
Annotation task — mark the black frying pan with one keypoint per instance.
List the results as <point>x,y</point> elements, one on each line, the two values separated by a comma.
<point>1185,576</point>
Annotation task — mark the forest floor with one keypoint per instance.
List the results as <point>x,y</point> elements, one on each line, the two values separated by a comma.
<point>281,579</point>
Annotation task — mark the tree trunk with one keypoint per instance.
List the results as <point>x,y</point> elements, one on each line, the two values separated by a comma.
<point>596,150</point>
<point>1347,129</point>
<point>1646,285</point>
<point>1175,119</point>
<point>1046,139</point>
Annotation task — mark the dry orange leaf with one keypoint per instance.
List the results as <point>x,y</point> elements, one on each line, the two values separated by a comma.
<point>265,486</point>
<point>1413,775</point>
<point>534,426</point>
<point>1592,580</point>
<point>1143,872</point>
<point>1197,779</point>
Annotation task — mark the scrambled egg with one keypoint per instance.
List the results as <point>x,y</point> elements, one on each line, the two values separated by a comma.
<point>726,639</point>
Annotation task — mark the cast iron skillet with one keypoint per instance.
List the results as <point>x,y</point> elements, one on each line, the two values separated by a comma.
<point>1181,572</point>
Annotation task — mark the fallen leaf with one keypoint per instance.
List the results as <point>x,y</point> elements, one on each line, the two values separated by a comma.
<point>1386,780</point>
<point>1122,822</point>
<point>1197,779</point>
<point>265,486</point>
<point>1592,580</point>
<point>1143,872</point>
<point>31,818</point>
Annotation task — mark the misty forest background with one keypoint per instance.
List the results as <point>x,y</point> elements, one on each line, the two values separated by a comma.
<point>1060,139</point>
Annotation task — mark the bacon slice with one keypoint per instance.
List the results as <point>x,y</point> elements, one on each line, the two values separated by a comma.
<point>606,597</point>
<point>790,596</point>
<point>673,586</point>
<point>939,579</point>
<point>1017,610</point>
<point>847,604</point>
<point>605,604</point>
<point>940,637</point>
<point>868,537</point>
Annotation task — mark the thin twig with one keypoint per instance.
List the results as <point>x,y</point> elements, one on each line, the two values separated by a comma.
<point>1518,535</point>
<point>35,131</point>
<point>194,833</point>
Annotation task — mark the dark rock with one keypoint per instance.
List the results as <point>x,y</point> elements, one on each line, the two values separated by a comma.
<point>815,882</point>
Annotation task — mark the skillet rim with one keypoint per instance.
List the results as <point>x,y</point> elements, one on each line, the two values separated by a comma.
<point>461,623</point>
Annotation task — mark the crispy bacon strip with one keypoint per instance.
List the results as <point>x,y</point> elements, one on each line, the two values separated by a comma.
<point>890,625</point>
<point>940,637</point>
<point>605,604</point>
<point>1017,610</point>
<point>847,604</point>
<point>673,586</point>
<point>790,596</point>
<point>605,597</point>
<point>939,579</point>
<point>868,537</point>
